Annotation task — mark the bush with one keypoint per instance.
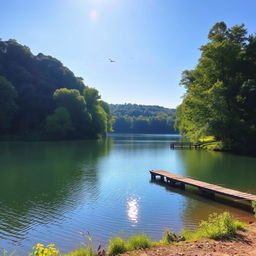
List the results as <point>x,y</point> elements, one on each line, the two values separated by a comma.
<point>116,246</point>
<point>169,237</point>
<point>218,226</point>
<point>140,241</point>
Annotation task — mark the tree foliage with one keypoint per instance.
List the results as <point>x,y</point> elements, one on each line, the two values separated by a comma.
<point>35,90</point>
<point>7,103</point>
<point>220,91</point>
<point>59,124</point>
<point>133,118</point>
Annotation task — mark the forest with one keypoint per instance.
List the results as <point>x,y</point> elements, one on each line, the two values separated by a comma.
<point>42,99</point>
<point>133,118</point>
<point>221,90</point>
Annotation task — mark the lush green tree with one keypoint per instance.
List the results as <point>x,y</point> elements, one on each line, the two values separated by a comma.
<point>107,110</point>
<point>35,79</point>
<point>71,100</point>
<point>99,120</point>
<point>92,97</point>
<point>59,124</point>
<point>220,89</point>
<point>7,103</point>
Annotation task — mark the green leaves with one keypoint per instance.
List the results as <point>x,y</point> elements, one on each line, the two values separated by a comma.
<point>218,92</point>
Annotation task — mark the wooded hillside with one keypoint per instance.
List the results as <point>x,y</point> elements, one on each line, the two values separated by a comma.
<point>42,99</point>
<point>133,118</point>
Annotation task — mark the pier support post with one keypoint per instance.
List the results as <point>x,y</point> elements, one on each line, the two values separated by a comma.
<point>177,184</point>
<point>153,176</point>
<point>207,193</point>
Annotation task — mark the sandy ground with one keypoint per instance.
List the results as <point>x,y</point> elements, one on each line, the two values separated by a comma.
<point>243,244</point>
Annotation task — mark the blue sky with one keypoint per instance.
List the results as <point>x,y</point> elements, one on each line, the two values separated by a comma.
<point>152,41</point>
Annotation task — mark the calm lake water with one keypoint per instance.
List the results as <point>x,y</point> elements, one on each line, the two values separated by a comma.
<point>52,191</point>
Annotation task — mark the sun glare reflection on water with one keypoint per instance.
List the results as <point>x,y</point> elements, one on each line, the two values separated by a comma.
<point>133,210</point>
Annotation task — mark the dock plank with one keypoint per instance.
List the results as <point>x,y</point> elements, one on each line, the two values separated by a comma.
<point>204,185</point>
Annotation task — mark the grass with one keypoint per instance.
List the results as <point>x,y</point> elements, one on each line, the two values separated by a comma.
<point>217,145</point>
<point>116,246</point>
<point>141,241</point>
<point>218,227</point>
<point>207,138</point>
<point>81,252</point>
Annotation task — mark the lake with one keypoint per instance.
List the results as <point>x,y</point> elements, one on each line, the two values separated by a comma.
<point>54,192</point>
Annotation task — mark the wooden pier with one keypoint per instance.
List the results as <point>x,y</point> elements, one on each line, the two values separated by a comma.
<point>205,188</point>
<point>187,144</point>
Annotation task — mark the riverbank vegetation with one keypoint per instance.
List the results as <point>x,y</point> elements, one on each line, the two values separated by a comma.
<point>218,226</point>
<point>133,118</point>
<point>221,90</point>
<point>42,99</point>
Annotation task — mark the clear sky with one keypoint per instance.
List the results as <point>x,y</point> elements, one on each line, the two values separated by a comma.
<point>152,41</point>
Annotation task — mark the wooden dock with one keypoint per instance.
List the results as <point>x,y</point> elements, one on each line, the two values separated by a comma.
<point>204,187</point>
<point>187,144</point>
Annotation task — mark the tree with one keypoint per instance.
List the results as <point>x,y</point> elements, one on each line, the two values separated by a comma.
<point>220,88</point>
<point>59,124</point>
<point>38,85</point>
<point>7,103</point>
<point>91,97</point>
<point>107,110</point>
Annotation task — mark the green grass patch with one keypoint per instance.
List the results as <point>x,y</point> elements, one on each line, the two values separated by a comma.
<point>213,145</point>
<point>140,241</point>
<point>116,246</point>
<point>218,226</point>
<point>207,138</point>
<point>81,252</point>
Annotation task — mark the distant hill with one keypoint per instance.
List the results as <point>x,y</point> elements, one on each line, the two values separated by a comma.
<point>133,118</point>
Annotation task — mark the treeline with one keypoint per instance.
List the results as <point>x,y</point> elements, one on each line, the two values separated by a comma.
<point>220,97</point>
<point>42,99</point>
<point>133,118</point>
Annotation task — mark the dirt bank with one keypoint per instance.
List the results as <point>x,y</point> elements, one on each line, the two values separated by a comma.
<point>244,244</point>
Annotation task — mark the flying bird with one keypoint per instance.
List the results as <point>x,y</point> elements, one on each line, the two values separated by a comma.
<point>111,60</point>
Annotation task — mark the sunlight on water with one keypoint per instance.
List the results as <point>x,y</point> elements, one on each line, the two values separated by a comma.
<point>52,191</point>
<point>133,210</point>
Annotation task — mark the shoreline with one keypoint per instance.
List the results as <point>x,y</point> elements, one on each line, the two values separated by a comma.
<point>243,244</point>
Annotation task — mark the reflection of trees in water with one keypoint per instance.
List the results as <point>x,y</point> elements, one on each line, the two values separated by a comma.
<point>42,180</point>
<point>217,168</point>
<point>225,169</point>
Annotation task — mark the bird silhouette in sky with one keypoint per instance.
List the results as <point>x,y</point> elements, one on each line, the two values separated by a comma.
<point>111,60</point>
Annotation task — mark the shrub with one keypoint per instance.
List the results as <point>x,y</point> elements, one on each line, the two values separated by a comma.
<point>169,237</point>
<point>116,246</point>
<point>140,241</point>
<point>221,226</point>
<point>218,226</point>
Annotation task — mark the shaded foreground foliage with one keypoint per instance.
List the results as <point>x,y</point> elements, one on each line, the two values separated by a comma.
<point>42,99</point>
<point>218,226</point>
<point>220,98</point>
<point>133,118</point>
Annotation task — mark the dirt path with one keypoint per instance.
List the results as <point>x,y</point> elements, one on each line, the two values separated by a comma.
<point>244,244</point>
